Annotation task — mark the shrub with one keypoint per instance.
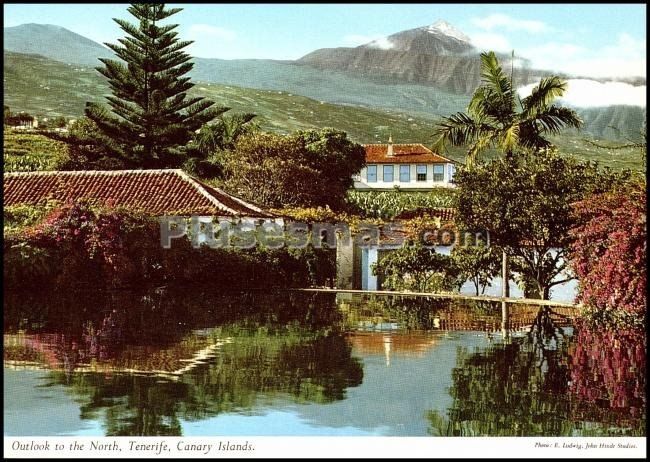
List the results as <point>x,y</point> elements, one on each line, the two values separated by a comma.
<point>610,250</point>
<point>85,243</point>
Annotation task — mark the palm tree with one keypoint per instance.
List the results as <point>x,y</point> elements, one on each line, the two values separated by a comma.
<point>224,132</point>
<point>497,118</point>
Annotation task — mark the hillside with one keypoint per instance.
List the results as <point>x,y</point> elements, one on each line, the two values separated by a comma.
<point>54,42</point>
<point>428,72</point>
<point>49,88</point>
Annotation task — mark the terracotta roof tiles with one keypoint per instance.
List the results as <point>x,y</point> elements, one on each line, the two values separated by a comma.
<point>402,154</point>
<point>156,192</point>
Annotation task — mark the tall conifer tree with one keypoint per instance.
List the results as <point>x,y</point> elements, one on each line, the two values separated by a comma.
<point>151,117</point>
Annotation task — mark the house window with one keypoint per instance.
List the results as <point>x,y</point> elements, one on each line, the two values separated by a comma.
<point>404,173</point>
<point>451,169</point>
<point>372,173</point>
<point>422,172</point>
<point>438,172</point>
<point>388,173</point>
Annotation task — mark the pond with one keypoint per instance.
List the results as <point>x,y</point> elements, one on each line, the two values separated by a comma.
<point>289,363</point>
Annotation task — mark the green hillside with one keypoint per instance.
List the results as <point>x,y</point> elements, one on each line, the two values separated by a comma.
<point>44,87</point>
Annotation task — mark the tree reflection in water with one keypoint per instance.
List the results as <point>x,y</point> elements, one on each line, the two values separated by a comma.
<point>283,347</point>
<point>529,385</point>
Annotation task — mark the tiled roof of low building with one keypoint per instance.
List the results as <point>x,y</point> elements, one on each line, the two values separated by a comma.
<point>155,192</point>
<point>403,154</point>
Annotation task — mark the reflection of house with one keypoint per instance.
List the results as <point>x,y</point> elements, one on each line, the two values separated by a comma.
<point>155,192</point>
<point>57,352</point>
<point>411,344</point>
<point>409,166</point>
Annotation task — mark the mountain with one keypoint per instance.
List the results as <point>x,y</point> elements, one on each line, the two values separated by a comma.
<point>426,72</point>
<point>438,55</point>
<point>440,38</point>
<point>54,42</point>
<point>49,88</point>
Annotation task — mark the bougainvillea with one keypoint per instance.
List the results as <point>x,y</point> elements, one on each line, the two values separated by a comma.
<point>609,251</point>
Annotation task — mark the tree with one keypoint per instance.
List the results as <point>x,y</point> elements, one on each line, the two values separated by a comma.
<point>224,132</point>
<point>531,215</point>
<point>87,147</point>
<point>493,120</point>
<point>307,169</point>
<point>416,267</point>
<point>151,117</point>
<point>477,263</point>
<point>609,252</point>
<point>206,156</point>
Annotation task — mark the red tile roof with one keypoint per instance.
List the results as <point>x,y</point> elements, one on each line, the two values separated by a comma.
<point>156,192</point>
<point>402,154</point>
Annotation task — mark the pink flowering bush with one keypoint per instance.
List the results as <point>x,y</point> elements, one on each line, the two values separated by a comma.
<point>609,251</point>
<point>87,243</point>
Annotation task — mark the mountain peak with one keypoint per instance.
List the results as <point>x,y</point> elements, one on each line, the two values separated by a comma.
<point>444,28</point>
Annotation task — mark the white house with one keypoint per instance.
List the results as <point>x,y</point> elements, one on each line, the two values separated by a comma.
<point>409,166</point>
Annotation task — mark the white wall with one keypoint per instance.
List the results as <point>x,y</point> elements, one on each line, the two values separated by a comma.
<point>369,257</point>
<point>361,180</point>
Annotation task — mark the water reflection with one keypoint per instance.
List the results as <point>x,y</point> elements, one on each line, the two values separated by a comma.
<point>526,387</point>
<point>167,363</point>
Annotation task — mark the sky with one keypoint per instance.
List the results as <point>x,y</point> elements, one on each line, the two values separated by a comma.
<point>597,40</point>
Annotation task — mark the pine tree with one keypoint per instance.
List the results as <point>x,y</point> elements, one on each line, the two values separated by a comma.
<point>151,118</point>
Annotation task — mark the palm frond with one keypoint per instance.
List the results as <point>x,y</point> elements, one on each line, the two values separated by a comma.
<point>543,95</point>
<point>555,118</point>
<point>458,129</point>
<point>509,138</point>
<point>496,96</point>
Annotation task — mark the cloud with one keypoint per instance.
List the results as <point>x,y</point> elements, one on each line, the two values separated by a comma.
<point>502,21</point>
<point>376,41</point>
<point>590,93</point>
<point>624,58</point>
<point>202,31</point>
<point>487,41</point>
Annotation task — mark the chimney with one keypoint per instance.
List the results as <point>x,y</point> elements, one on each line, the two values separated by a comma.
<point>389,153</point>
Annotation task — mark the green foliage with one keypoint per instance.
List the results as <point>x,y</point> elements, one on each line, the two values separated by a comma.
<point>206,153</point>
<point>306,169</point>
<point>477,263</point>
<point>390,204</point>
<point>531,214</point>
<point>83,243</point>
<point>151,118</point>
<point>28,152</point>
<point>85,150</point>
<point>417,268</point>
<point>16,218</point>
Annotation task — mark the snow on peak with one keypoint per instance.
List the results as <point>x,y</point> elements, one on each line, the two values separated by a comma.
<point>444,28</point>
